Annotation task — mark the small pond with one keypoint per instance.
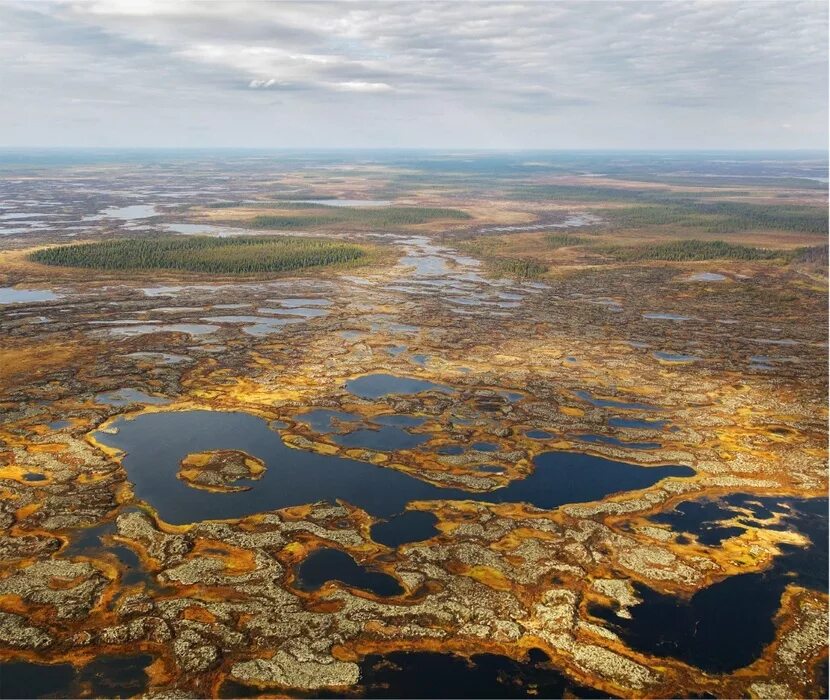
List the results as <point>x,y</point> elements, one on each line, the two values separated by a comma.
<point>324,565</point>
<point>126,397</point>
<point>373,386</point>
<point>13,295</point>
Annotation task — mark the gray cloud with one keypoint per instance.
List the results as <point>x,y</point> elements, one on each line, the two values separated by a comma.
<point>492,74</point>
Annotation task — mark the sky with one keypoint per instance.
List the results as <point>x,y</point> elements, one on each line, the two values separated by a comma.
<point>678,74</point>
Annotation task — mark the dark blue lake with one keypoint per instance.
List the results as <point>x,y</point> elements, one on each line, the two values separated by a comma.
<point>155,443</point>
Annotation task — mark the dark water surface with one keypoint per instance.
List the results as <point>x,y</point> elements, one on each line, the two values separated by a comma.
<point>617,422</point>
<point>727,625</point>
<point>385,432</point>
<point>409,526</point>
<point>423,674</point>
<point>155,443</point>
<point>107,676</point>
<point>325,565</point>
<point>613,403</point>
<point>91,542</point>
<point>373,386</point>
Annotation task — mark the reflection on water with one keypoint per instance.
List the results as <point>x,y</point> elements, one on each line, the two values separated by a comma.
<point>146,328</point>
<point>674,357</point>
<point>373,386</point>
<point>324,565</point>
<point>13,295</point>
<point>617,422</point>
<point>707,277</point>
<point>129,213</point>
<point>106,676</point>
<point>125,397</point>
<point>155,443</point>
<point>727,625</point>
<point>409,526</point>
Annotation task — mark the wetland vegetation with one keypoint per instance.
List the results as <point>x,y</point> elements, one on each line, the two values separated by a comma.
<point>581,425</point>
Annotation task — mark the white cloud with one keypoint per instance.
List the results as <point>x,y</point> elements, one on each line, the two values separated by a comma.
<point>556,73</point>
<point>361,86</point>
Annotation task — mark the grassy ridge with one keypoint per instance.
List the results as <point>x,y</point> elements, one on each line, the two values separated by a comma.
<point>241,255</point>
<point>358,216</point>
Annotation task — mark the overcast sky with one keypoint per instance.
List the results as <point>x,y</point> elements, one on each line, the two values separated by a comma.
<point>676,74</point>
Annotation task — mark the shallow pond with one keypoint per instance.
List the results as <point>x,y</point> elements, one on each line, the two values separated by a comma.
<point>95,542</point>
<point>727,625</point>
<point>350,335</point>
<point>147,328</point>
<point>304,301</point>
<point>385,438</point>
<point>125,397</point>
<point>129,213</point>
<point>409,526</point>
<point>162,358</point>
<point>205,229</point>
<point>294,311</point>
<point>485,446</point>
<point>12,295</point>
<point>373,386</point>
<point>617,422</point>
<point>707,277</point>
<point>707,519</point>
<point>324,565</point>
<point>155,443</point>
<point>254,325</point>
<point>674,357</point>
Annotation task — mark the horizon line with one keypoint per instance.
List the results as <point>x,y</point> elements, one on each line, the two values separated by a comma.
<point>479,149</point>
